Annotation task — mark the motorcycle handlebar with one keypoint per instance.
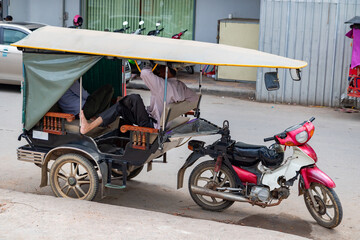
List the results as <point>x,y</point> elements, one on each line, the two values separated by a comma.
<point>311,119</point>
<point>269,139</point>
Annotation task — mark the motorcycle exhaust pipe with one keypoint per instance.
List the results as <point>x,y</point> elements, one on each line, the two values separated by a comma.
<point>222,195</point>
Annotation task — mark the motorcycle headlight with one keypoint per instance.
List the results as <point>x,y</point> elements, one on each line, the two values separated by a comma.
<point>302,137</point>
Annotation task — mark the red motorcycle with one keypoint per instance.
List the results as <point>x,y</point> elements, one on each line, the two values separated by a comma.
<point>260,175</point>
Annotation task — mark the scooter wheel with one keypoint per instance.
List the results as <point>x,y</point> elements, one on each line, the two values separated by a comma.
<point>202,176</point>
<point>328,212</point>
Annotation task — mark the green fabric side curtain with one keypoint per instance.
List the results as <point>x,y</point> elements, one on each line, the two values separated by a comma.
<point>47,77</point>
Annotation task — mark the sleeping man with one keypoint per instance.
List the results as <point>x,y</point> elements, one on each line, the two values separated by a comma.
<point>132,108</point>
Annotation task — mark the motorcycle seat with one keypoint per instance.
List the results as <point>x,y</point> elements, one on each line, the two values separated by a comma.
<point>248,146</point>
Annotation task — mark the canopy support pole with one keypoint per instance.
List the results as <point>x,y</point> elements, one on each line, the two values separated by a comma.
<point>200,79</point>
<point>123,91</point>
<point>80,102</point>
<point>165,95</point>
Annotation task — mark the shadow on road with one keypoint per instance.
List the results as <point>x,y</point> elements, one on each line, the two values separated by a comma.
<point>282,223</point>
<point>151,197</point>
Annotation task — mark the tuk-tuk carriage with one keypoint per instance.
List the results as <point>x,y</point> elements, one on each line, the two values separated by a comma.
<point>79,165</point>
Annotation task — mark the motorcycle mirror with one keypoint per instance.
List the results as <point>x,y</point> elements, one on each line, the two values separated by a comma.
<point>272,81</point>
<point>141,22</point>
<point>125,23</point>
<point>295,74</point>
<point>158,24</point>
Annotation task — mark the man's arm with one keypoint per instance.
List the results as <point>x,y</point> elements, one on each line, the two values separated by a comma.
<point>75,89</point>
<point>152,81</point>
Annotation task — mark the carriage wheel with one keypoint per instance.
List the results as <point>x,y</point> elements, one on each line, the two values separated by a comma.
<point>73,176</point>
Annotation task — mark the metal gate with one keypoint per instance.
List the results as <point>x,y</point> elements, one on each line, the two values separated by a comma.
<point>174,15</point>
<point>313,31</point>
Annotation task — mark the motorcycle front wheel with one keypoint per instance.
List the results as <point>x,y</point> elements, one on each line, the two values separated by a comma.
<point>329,211</point>
<point>202,176</point>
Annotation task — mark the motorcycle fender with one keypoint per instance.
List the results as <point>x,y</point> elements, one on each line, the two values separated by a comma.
<point>314,174</point>
<point>194,156</point>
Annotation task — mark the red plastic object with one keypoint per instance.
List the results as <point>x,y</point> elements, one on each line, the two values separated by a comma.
<point>354,83</point>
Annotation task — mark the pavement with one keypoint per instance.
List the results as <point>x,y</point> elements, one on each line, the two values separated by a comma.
<point>30,216</point>
<point>242,89</point>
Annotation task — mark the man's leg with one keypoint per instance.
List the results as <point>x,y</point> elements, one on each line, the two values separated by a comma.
<point>104,119</point>
<point>135,104</point>
<point>98,101</point>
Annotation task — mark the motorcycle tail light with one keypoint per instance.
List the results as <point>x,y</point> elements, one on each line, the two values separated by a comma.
<point>302,137</point>
<point>195,145</point>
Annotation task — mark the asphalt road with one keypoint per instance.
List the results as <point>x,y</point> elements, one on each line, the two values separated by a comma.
<point>336,142</point>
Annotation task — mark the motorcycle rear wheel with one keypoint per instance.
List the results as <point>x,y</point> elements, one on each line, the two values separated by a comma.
<point>330,212</point>
<point>202,176</point>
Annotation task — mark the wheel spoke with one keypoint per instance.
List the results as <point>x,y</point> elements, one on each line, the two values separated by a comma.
<point>224,181</point>
<point>82,176</point>
<point>67,191</point>
<point>324,195</point>
<point>76,169</point>
<point>327,214</point>
<point>64,186</point>
<point>76,192</point>
<point>214,199</point>
<point>65,174</point>
<point>204,179</point>
<point>329,206</point>
<point>83,182</point>
<point>80,190</point>
<point>62,177</point>
<point>317,193</point>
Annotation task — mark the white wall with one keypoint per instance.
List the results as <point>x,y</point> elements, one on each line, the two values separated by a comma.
<point>48,12</point>
<point>208,12</point>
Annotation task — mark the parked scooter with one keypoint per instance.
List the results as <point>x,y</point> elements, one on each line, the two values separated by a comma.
<point>189,69</point>
<point>260,175</point>
<point>157,31</point>
<point>140,29</point>
<point>178,35</point>
<point>136,65</point>
<point>124,28</point>
<point>127,64</point>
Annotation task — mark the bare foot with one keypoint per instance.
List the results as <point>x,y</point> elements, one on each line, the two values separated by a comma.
<point>87,127</point>
<point>84,124</point>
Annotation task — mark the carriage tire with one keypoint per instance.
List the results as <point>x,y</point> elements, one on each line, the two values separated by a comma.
<point>82,174</point>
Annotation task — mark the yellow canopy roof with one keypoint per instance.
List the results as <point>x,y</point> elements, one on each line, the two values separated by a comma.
<point>150,48</point>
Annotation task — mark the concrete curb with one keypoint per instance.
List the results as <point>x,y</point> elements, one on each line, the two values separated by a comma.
<point>30,216</point>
